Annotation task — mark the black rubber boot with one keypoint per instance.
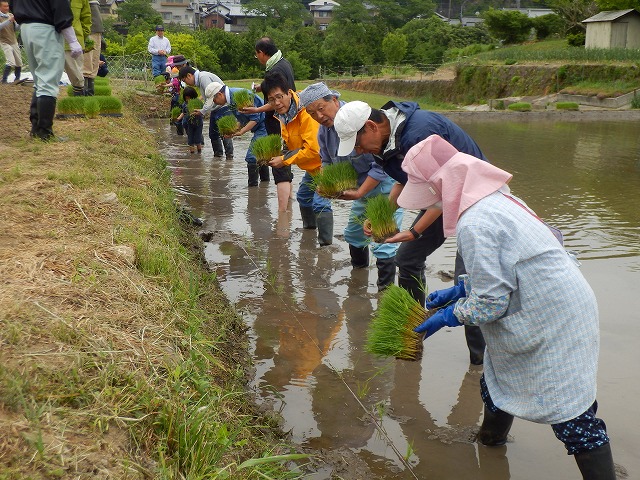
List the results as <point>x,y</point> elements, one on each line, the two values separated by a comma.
<point>495,428</point>
<point>89,87</point>
<point>596,464</point>
<point>414,286</point>
<point>228,148</point>
<point>308,218</point>
<point>386,272</point>
<point>324,222</point>
<point>252,170</point>
<point>359,256</point>
<point>179,128</point>
<point>46,111</point>
<point>33,114</point>
<point>263,170</point>
<point>17,72</point>
<point>216,144</point>
<point>5,73</point>
<point>78,91</point>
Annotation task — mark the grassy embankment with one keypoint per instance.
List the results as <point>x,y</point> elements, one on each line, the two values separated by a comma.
<point>120,356</point>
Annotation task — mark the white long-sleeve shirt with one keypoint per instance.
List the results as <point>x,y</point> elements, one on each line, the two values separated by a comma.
<point>156,44</point>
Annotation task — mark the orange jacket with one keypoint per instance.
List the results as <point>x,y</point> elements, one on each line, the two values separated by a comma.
<point>300,136</point>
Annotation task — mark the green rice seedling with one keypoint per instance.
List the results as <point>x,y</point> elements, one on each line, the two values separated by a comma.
<point>71,105</point>
<point>520,107</point>
<point>91,107</point>
<point>567,106</point>
<point>159,79</point>
<point>390,333</point>
<point>243,98</point>
<point>175,113</point>
<point>265,148</point>
<point>379,213</point>
<point>101,81</point>
<point>228,124</point>
<point>334,179</point>
<point>89,44</point>
<point>102,90</point>
<point>110,104</point>
<point>192,105</point>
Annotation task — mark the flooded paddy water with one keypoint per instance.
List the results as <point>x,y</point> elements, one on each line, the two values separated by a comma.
<point>308,310</point>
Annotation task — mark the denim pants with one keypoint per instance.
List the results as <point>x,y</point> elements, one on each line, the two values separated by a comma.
<point>307,196</point>
<point>158,64</point>
<point>354,233</point>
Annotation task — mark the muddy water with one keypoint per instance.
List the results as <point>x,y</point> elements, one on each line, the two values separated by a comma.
<point>308,311</point>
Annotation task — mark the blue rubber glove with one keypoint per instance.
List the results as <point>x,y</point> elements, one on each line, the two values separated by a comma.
<point>442,318</point>
<point>446,295</point>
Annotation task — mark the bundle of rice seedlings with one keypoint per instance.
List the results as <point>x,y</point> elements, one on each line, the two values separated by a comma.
<point>91,107</point>
<point>379,213</point>
<point>89,44</point>
<point>175,113</point>
<point>265,148</point>
<point>159,79</point>
<point>228,125</point>
<point>193,104</point>
<point>71,105</point>
<point>390,333</point>
<point>101,81</point>
<point>334,179</point>
<point>110,105</point>
<point>243,98</point>
<point>102,90</point>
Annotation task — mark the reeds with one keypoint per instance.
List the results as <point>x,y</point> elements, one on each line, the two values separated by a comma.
<point>379,213</point>
<point>243,98</point>
<point>265,148</point>
<point>390,333</point>
<point>334,179</point>
<point>228,125</point>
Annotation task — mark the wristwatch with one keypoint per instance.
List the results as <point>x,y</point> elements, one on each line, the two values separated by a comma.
<point>415,234</point>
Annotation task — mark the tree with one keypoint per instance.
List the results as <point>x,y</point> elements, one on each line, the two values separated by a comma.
<point>508,26</point>
<point>618,4</point>
<point>394,14</point>
<point>274,12</point>
<point>573,12</point>
<point>136,11</point>
<point>394,47</point>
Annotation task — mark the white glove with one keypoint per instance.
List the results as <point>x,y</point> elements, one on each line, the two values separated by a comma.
<point>70,36</point>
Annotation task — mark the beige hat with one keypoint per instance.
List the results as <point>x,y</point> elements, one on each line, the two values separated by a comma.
<point>210,92</point>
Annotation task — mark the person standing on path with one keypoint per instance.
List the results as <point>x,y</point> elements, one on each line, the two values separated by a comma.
<point>201,80</point>
<point>300,147</point>
<point>268,55</point>
<point>159,47</point>
<point>44,26</point>
<point>323,104</point>
<point>82,26</point>
<point>388,134</point>
<point>9,44</point>
<point>91,59</point>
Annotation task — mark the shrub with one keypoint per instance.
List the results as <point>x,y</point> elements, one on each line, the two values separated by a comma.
<point>567,106</point>
<point>635,103</point>
<point>547,25</point>
<point>510,61</point>
<point>520,107</point>
<point>499,105</point>
<point>576,39</point>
